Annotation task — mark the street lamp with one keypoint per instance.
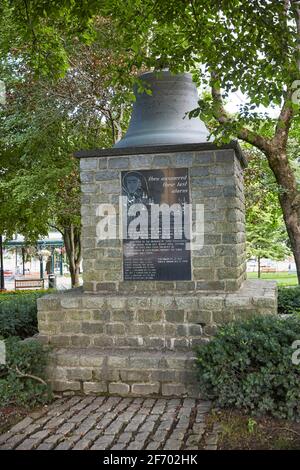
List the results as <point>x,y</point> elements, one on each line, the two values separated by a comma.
<point>1,265</point>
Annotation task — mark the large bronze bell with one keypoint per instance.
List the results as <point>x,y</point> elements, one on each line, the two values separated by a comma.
<point>160,118</point>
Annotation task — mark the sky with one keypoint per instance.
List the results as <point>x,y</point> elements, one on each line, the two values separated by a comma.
<point>238,98</point>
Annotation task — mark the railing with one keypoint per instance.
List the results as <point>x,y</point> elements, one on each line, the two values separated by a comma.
<point>29,283</point>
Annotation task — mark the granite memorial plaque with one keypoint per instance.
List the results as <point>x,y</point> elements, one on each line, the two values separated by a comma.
<point>156,225</point>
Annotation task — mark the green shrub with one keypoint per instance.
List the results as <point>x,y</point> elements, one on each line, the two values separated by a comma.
<point>8,295</point>
<point>18,314</point>
<point>24,359</point>
<point>289,300</point>
<point>248,365</point>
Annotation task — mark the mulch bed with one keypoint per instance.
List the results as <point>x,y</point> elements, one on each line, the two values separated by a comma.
<point>10,415</point>
<point>239,431</point>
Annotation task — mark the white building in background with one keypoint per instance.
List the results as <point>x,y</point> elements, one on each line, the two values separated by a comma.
<point>21,259</point>
<point>268,265</point>
<point>31,262</point>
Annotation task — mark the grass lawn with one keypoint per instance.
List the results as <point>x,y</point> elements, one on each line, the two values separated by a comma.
<point>282,278</point>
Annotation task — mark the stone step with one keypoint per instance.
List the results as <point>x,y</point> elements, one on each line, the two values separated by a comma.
<point>125,373</point>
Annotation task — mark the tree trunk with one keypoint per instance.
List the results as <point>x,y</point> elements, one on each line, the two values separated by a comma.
<point>289,198</point>
<point>258,267</point>
<point>73,250</point>
<point>74,276</point>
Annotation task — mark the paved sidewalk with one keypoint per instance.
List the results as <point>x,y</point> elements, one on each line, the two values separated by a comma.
<point>114,423</point>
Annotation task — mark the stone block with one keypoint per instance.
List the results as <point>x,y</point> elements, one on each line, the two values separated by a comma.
<point>80,341</point>
<point>117,362</point>
<point>178,344</point>
<point>211,303</point>
<point>210,330</point>
<point>92,359</point>
<point>161,161</point>
<point>101,315</point>
<point>225,157</point>
<point>57,315</point>
<point>182,329</point>
<point>140,161</point>
<point>79,373</point>
<point>67,359</point>
<point>211,286</point>
<point>49,328</point>
<point>121,162</point>
<point>87,176</point>
<point>60,340</point>
<point>115,329</point>
<point>79,316</point>
<point>140,329</point>
<point>106,175</point>
<point>88,164</point>
<point>200,171</point>
<point>103,341</point>
<point>153,342</point>
<point>119,388</point>
<point>106,375</point>
<point>70,327</point>
<point>222,317</point>
<point>131,375</point>
<point>122,316</point>
<point>106,287</point>
<point>174,316</point>
<point>144,362</point>
<point>92,327</point>
<point>173,390</point>
<point>62,386</point>
<point>183,159</point>
<point>94,301</point>
<point>203,317</point>
<point>94,387</point>
<point>145,389</point>
<point>149,315</point>
<point>163,375</point>
<point>128,341</point>
<point>204,158</point>
<point>194,330</point>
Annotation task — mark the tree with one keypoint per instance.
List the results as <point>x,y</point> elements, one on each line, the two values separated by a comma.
<point>42,124</point>
<point>229,45</point>
<point>266,233</point>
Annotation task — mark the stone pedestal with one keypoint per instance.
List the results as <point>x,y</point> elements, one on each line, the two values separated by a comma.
<point>138,337</point>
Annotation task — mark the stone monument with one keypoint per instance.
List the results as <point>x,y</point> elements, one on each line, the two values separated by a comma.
<point>150,295</point>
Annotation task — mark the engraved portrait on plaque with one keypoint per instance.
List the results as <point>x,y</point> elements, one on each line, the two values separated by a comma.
<point>156,224</point>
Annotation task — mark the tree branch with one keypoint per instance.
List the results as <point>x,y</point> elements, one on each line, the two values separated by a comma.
<point>284,122</point>
<point>56,228</point>
<point>295,6</point>
<point>244,133</point>
<point>29,376</point>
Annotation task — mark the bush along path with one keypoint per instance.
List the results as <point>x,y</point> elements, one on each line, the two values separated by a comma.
<point>18,313</point>
<point>23,376</point>
<point>253,366</point>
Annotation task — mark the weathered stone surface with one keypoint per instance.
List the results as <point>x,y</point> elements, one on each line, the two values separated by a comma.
<point>212,175</point>
<point>94,387</point>
<point>134,338</point>
<point>145,389</point>
<point>119,388</point>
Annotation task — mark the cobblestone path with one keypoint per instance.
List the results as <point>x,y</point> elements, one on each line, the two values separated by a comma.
<point>114,423</point>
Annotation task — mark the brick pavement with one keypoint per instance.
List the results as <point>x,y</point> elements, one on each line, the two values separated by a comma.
<point>115,423</point>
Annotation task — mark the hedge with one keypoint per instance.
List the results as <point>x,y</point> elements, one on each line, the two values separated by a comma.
<point>248,365</point>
